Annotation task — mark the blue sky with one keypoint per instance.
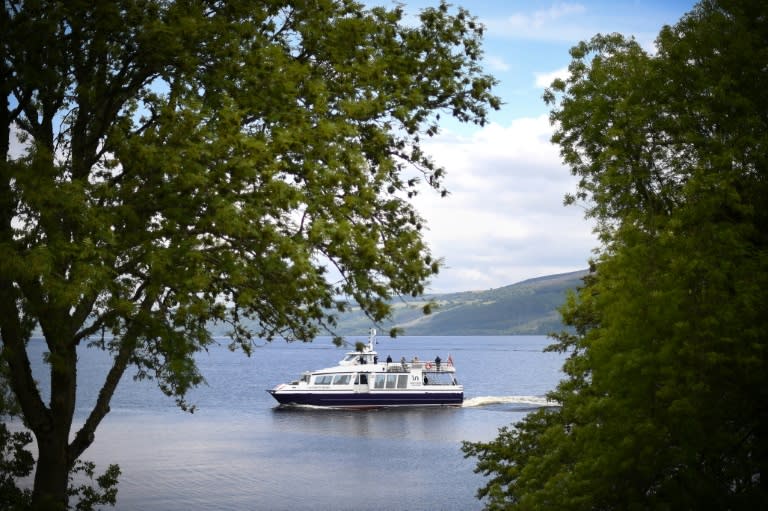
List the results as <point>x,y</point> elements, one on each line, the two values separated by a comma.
<point>504,220</point>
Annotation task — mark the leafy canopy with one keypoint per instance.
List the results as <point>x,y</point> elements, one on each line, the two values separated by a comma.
<point>664,404</point>
<point>170,164</point>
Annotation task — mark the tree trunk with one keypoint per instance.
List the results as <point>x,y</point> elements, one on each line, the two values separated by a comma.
<point>54,461</point>
<point>52,473</point>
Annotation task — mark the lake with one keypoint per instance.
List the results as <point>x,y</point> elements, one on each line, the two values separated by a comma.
<point>239,451</point>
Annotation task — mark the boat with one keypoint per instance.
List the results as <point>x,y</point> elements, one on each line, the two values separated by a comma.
<point>362,380</point>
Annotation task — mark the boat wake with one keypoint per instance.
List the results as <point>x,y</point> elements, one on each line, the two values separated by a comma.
<point>533,401</point>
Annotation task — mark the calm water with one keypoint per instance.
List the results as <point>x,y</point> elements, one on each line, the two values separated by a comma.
<point>239,452</point>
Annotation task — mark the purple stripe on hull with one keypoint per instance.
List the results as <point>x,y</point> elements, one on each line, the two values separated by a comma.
<point>370,400</point>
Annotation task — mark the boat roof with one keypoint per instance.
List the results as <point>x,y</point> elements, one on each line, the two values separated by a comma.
<point>351,363</point>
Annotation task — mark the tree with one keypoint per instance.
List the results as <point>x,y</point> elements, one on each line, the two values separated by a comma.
<point>193,162</point>
<point>665,401</point>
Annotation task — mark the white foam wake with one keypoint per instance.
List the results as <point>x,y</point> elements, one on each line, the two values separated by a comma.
<point>516,400</point>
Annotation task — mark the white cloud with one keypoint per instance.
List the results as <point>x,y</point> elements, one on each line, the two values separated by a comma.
<point>542,18</point>
<point>16,149</point>
<point>558,22</point>
<point>496,63</point>
<point>504,220</point>
<point>543,80</point>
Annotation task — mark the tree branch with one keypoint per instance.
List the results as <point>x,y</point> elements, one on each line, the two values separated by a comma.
<point>15,353</point>
<point>85,435</point>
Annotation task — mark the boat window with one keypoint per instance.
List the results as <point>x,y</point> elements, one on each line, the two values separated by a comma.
<point>350,357</point>
<point>361,379</point>
<point>380,379</point>
<point>323,379</point>
<point>342,379</point>
<point>402,381</point>
<point>391,381</point>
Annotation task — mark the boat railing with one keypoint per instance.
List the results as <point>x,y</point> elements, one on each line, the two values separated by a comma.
<point>404,367</point>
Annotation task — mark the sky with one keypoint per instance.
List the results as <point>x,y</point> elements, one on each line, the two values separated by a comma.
<point>504,220</point>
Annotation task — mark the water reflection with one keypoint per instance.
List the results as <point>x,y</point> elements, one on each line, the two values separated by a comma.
<point>420,424</point>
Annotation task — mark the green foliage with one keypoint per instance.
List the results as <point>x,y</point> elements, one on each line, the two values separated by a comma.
<point>664,405</point>
<point>86,494</point>
<point>15,462</point>
<point>241,163</point>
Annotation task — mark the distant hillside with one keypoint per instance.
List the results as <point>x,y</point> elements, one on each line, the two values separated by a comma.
<point>528,307</point>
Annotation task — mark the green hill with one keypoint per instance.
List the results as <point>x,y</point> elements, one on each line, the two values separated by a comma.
<point>526,308</point>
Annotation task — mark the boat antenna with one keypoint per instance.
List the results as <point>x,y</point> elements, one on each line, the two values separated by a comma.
<point>371,338</point>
